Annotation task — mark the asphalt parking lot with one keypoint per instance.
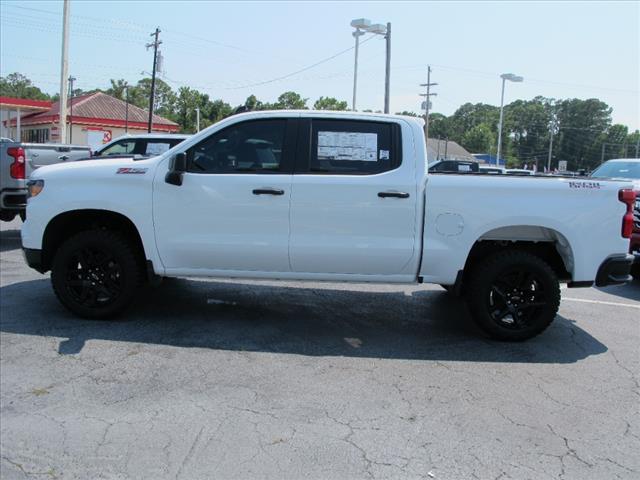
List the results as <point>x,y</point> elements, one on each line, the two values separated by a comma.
<point>243,380</point>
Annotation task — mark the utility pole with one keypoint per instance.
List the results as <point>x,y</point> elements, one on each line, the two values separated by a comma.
<point>64,72</point>
<point>553,127</point>
<point>446,145</point>
<point>155,44</point>
<point>387,70</point>
<point>197,119</point>
<point>126,108</point>
<point>637,148</point>
<point>427,96</point>
<point>71,80</point>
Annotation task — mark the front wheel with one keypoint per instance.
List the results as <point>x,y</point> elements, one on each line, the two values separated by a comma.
<point>513,295</point>
<point>96,273</point>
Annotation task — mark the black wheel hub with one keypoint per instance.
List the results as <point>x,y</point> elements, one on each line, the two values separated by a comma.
<point>515,299</point>
<point>94,278</point>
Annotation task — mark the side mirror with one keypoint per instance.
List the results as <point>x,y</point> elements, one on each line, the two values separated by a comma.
<point>176,169</point>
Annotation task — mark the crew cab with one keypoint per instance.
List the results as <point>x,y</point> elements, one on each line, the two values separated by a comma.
<point>323,196</point>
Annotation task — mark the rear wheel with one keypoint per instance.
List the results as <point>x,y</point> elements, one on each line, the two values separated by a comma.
<point>513,295</point>
<point>96,273</point>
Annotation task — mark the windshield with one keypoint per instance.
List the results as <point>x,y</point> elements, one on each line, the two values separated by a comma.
<point>618,169</point>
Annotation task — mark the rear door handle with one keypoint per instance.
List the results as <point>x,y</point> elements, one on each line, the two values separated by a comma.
<point>268,191</point>
<point>393,194</point>
<point>64,158</point>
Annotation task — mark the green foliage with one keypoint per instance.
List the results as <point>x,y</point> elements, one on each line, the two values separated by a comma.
<point>18,86</point>
<point>408,114</point>
<point>290,101</point>
<point>329,103</point>
<point>479,139</point>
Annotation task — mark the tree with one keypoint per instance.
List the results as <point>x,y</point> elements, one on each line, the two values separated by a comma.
<point>117,88</point>
<point>164,98</point>
<point>439,126</point>
<point>329,103</point>
<point>480,139</point>
<point>408,114</point>
<point>583,125</point>
<point>290,101</point>
<point>18,86</point>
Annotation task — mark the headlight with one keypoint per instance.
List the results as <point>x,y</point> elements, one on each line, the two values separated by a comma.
<point>35,187</point>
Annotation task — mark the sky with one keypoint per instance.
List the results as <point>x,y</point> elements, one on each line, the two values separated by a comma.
<point>231,50</point>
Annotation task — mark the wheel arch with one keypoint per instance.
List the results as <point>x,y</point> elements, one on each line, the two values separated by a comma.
<point>69,223</point>
<point>545,242</point>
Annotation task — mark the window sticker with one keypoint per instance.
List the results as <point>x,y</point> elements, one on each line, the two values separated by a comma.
<point>384,154</point>
<point>348,146</point>
<point>157,148</point>
<point>464,168</point>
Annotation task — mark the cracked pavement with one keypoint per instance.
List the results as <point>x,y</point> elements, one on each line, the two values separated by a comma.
<point>263,380</point>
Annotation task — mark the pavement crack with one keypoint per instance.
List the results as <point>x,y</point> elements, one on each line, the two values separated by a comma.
<point>189,454</point>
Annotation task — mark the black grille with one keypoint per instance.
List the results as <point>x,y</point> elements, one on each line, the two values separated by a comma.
<point>636,213</point>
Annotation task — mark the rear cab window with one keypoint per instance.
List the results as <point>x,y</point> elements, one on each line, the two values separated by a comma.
<point>351,147</point>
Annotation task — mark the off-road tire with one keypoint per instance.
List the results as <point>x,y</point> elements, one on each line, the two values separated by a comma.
<point>113,268</point>
<point>531,305</point>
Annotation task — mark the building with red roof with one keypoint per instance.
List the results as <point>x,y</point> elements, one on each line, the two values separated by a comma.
<point>92,119</point>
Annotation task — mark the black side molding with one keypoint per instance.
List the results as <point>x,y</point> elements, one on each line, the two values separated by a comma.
<point>614,270</point>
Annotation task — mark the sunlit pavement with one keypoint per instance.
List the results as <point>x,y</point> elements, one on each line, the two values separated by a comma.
<point>238,379</point>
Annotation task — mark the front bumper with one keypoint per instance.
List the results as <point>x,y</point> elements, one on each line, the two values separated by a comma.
<point>615,270</point>
<point>33,258</point>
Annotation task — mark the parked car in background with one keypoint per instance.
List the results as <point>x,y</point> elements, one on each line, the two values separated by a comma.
<point>454,166</point>
<point>491,170</point>
<point>519,171</point>
<point>18,160</point>
<point>626,169</point>
<point>143,145</point>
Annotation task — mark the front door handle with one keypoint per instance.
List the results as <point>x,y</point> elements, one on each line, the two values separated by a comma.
<point>64,158</point>
<point>268,191</point>
<point>393,194</point>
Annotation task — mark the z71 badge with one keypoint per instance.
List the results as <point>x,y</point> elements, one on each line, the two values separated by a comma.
<point>131,171</point>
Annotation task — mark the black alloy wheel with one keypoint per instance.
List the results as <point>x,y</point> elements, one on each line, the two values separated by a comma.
<point>512,295</point>
<point>96,273</point>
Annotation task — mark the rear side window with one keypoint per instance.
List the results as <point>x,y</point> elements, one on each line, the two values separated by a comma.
<point>353,147</point>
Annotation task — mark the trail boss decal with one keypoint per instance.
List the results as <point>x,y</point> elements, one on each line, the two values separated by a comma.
<point>585,185</point>
<point>131,171</point>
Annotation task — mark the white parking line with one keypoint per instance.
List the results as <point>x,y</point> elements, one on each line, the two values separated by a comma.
<point>613,304</point>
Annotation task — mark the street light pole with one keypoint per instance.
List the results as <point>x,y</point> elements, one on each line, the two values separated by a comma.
<point>513,78</point>
<point>357,34</point>
<point>500,125</point>
<point>361,25</point>
<point>387,70</point>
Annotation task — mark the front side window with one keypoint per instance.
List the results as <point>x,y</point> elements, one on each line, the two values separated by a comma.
<point>353,147</point>
<point>253,146</point>
<point>122,147</point>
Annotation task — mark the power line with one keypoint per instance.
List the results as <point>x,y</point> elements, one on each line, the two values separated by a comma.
<point>283,77</point>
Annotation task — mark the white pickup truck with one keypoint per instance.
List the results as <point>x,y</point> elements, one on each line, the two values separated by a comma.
<point>324,196</point>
